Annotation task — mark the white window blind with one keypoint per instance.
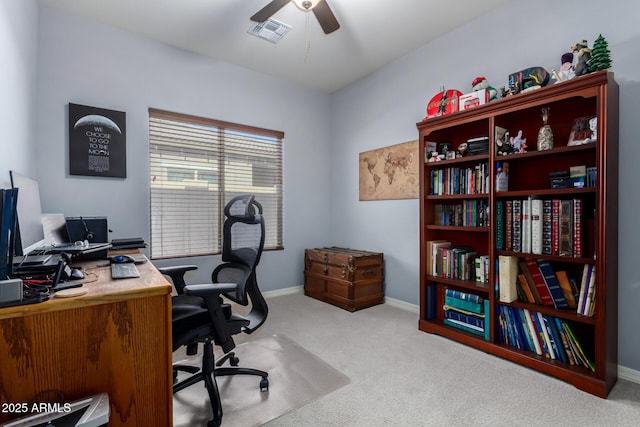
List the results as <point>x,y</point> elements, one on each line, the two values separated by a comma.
<point>196,166</point>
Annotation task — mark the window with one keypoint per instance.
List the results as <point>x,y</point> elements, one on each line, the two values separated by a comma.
<point>196,166</point>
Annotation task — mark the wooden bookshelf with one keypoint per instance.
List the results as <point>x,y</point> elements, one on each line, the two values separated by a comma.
<point>594,95</point>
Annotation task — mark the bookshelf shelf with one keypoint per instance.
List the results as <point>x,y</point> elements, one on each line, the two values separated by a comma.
<point>578,236</point>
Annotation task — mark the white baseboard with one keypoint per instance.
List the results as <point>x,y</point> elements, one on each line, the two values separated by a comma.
<point>284,291</point>
<point>413,308</point>
<point>629,374</point>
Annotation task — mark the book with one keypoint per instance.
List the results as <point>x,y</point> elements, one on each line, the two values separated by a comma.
<point>465,305</point>
<point>530,283</point>
<point>587,271</point>
<point>577,228</point>
<point>566,228</point>
<point>565,343</point>
<point>555,226</point>
<point>524,285</point>
<point>453,293</point>
<point>556,341</point>
<point>526,226</point>
<point>499,225</point>
<point>536,226</point>
<point>546,227</point>
<point>572,339</point>
<point>463,326</point>
<point>532,332</point>
<point>547,337</point>
<point>508,225</point>
<point>469,319</point>
<point>517,226</point>
<point>550,280</point>
<point>538,281</point>
<point>436,255</point>
<point>508,273</point>
<point>487,320</point>
<point>430,255</point>
<point>502,176</point>
<point>590,294</point>
<point>565,285</point>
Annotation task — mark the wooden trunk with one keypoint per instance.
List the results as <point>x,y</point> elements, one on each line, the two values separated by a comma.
<point>347,278</point>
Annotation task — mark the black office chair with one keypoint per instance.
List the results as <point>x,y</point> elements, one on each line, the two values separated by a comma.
<point>235,279</point>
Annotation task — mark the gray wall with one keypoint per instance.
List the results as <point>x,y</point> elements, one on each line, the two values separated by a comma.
<point>383,108</point>
<point>92,64</point>
<point>18,46</point>
<point>88,63</point>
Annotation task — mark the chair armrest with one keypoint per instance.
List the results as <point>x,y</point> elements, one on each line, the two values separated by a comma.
<point>176,273</point>
<point>210,289</point>
<point>211,295</point>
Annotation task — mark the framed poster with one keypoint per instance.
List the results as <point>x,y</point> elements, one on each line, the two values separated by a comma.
<point>390,172</point>
<point>97,142</point>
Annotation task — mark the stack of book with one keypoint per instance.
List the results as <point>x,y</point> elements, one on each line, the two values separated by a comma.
<point>478,145</point>
<point>543,226</point>
<point>466,311</point>
<point>545,335</point>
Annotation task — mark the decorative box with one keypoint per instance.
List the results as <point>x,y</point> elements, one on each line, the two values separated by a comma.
<point>473,99</point>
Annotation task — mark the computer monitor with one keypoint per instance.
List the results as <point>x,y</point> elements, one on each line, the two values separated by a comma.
<point>29,230</point>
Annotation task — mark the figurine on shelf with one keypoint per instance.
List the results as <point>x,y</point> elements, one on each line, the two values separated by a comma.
<point>593,126</point>
<point>545,134</point>
<point>480,83</point>
<point>584,57</point>
<point>502,141</point>
<point>566,69</point>
<point>518,143</point>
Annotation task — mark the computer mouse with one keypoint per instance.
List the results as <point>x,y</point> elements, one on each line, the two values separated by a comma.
<point>121,259</point>
<point>76,273</point>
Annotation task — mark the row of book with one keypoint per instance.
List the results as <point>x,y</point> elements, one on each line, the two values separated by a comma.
<point>454,180</point>
<point>535,281</point>
<point>456,262</point>
<point>545,335</point>
<point>469,213</point>
<point>466,311</point>
<point>541,226</point>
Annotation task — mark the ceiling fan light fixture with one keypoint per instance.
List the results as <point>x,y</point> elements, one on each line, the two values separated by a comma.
<point>306,5</point>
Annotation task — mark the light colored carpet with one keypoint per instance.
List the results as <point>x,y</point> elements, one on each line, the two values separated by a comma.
<point>296,377</point>
<point>400,376</point>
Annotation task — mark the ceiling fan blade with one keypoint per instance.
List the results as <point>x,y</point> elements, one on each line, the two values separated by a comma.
<point>325,17</point>
<point>268,11</point>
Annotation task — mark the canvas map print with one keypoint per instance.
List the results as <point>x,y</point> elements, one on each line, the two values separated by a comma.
<point>390,172</point>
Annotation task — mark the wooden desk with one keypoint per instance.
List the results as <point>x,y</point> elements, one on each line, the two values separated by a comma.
<point>115,339</point>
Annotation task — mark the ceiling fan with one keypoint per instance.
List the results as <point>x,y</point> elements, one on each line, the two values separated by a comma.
<point>320,9</point>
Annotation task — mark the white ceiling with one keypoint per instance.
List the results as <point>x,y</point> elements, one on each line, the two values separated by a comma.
<point>372,32</point>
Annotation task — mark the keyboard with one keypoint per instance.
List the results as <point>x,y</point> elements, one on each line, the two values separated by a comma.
<point>124,271</point>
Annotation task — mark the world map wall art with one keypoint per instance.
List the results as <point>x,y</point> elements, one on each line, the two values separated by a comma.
<point>390,173</point>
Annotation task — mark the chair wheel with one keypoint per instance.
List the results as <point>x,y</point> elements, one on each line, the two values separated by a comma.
<point>234,361</point>
<point>175,376</point>
<point>213,423</point>
<point>264,385</point>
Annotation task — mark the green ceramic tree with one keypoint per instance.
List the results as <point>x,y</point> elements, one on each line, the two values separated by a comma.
<point>600,55</point>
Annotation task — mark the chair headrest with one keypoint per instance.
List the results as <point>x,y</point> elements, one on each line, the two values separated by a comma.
<point>243,207</point>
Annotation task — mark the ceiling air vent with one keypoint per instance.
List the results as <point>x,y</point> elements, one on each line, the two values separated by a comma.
<point>270,29</point>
